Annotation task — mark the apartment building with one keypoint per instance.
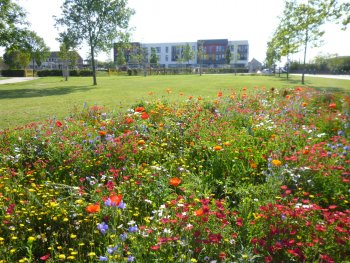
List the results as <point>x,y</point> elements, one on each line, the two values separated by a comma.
<point>207,52</point>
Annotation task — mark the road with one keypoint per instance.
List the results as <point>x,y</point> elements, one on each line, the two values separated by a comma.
<point>346,77</point>
<point>15,80</point>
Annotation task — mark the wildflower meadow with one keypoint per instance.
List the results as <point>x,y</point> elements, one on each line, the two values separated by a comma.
<point>251,175</point>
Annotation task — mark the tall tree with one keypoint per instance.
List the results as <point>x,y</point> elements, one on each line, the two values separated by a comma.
<point>16,59</point>
<point>67,53</point>
<point>99,23</point>
<point>187,53</point>
<point>35,46</point>
<point>12,17</point>
<point>228,55</point>
<point>305,20</point>
<point>154,58</point>
<point>200,55</point>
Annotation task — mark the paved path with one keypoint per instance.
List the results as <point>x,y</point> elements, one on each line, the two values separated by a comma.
<point>346,77</point>
<point>15,80</point>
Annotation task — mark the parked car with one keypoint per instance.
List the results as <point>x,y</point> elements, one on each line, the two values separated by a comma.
<point>266,71</point>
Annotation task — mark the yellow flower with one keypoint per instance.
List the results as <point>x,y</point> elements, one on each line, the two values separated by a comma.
<point>31,239</point>
<point>61,256</point>
<point>72,236</point>
<point>92,254</point>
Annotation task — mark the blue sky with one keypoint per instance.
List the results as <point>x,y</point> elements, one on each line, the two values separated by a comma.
<point>190,20</point>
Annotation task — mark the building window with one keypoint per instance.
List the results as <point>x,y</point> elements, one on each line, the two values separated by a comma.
<point>158,49</point>
<point>166,57</point>
<point>242,51</point>
<point>232,48</point>
<point>166,49</point>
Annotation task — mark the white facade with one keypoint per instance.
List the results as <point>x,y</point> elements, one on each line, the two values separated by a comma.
<point>169,54</point>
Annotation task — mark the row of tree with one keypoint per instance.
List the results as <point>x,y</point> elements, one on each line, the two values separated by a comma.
<point>300,26</point>
<point>325,64</point>
<point>98,24</point>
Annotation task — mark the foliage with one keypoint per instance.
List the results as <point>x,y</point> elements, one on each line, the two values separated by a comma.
<point>11,18</point>
<point>187,53</point>
<point>252,175</point>
<point>228,56</point>
<point>57,72</point>
<point>16,59</point>
<point>154,58</point>
<point>301,23</point>
<point>99,23</point>
<point>13,73</point>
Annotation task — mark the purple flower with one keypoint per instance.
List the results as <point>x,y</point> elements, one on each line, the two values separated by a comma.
<point>133,228</point>
<point>122,205</point>
<point>103,258</point>
<point>123,236</point>
<point>131,259</point>
<point>103,227</point>
<point>111,250</point>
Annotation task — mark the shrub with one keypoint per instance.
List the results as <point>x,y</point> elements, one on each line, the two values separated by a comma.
<point>13,73</point>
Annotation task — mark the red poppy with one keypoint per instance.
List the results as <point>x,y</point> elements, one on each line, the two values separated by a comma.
<point>59,124</point>
<point>220,94</point>
<point>139,109</point>
<point>332,106</point>
<point>222,255</point>
<point>45,257</point>
<point>93,208</point>
<point>155,247</point>
<point>144,116</point>
<point>175,181</point>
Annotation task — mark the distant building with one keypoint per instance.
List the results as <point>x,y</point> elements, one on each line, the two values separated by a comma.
<point>54,62</point>
<point>254,66</point>
<point>171,54</point>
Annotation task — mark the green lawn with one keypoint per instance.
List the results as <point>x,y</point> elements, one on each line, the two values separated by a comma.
<point>43,98</point>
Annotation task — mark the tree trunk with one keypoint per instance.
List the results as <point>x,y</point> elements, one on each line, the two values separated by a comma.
<point>93,65</point>
<point>306,40</point>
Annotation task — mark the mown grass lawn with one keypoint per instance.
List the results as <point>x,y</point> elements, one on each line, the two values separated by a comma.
<point>44,98</point>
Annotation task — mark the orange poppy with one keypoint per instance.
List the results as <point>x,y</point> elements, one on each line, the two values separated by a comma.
<point>93,208</point>
<point>220,94</point>
<point>139,109</point>
<point>116,199</point>
<point>199,212</point>
<point>141,142</point>
<point>102,133</point>
<point>276,162</point>
<point>217,148</point>
<point>175,181</point>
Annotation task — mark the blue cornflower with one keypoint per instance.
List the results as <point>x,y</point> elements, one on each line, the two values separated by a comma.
<point>103,258</point>
<point>103,227</point>
<point>123,236</point>
<point>122,205</point>
<point>131,259</point>
<point>133,228</point>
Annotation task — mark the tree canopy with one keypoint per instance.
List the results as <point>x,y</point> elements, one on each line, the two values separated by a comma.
<point>96,23</point>
<point>300,26</point>
<point>12,17</point>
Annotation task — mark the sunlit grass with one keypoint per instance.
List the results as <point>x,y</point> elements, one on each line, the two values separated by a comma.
<point>48,97</point>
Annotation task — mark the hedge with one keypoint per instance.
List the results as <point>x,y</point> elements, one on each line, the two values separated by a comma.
<point>13,73</point>
<point>58,72</point>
